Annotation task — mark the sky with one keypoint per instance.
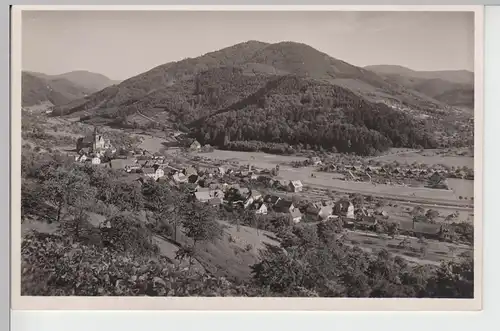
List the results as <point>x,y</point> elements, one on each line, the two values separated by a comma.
<point>122,44</point>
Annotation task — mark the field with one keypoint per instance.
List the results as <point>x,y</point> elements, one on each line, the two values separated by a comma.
<point>427,157</point>
<point>462,187</point>
<point>258,159</point>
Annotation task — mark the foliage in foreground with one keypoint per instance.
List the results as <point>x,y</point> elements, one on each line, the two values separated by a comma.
<point>52,265</point>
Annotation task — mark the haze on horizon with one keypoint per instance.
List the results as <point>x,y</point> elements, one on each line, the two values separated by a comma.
<point>122,44</point>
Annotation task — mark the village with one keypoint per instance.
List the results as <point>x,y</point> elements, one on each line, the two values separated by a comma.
<point>233,186</point>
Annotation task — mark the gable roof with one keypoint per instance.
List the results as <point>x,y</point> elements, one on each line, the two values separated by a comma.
<point>203,196</point>
<point>272,198</point>
<point>296,183</point>
<point>256,194</point>
<point>283,205</point>
<point>148,170</point>
<point>121,163</point>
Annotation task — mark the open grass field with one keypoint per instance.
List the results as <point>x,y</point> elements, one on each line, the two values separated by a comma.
<point>426,252</point>
<point>258,159</point>
<point>427,157</point>
<point>325,180</point>
<point>462,187</point>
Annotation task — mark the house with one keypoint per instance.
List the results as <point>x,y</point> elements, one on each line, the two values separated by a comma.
<point>215,186</point>
<point>121,163</point>
<point>189,171</point>
<point>437,181</point>
<point>296,215</point>
<point>227,187</point>
<point>284,206</point>
<point>262,210</point>
<point>132,167</point>
<point>272,199</point>
<point>222,171</point>
<point>381,212</point>
<point>344,208</point>
<point>216,201</point>
<point>212,197</point>
<point>315,161</point>
<point>256,195</point>
<point>325,212</point>
<point>96,160</point>
<point>203,196</point>
<point>81,158</point>
<point>295,186</point>
<point>195,146</point>
<point>152,173</point>
<point>244,192</point>
<point>366,222</point>
<point>179,177</point>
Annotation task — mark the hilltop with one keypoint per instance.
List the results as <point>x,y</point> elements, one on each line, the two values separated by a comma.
<point>36,90</point>
<point>60,89</point>
<point>256,57</point>
<point>281,82</point>
<point>455,88</point>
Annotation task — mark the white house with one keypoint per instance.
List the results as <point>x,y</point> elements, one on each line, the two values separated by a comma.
<point>262,210</point>
<point>295,186</point>
<point>96,160</point>
<point>152,173</point>
<point>179,177</point>
<point>82,158</point>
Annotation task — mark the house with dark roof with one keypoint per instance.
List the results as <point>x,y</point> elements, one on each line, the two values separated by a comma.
<point>344,208</point>
<point>153,173</point>
<point>427,230</point>
<point>283,206</point>
<point>121,163</point>
<point>366,222</point>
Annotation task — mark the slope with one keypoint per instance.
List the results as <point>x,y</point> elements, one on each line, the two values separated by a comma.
<point>453,76</point>
<point>87,80</point>
<point>298,111</point>
<point>36,90</point>
<point>257,58</point>
<point>455,88</point>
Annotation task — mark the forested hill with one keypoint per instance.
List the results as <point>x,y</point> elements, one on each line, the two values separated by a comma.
<point>257,57</point>
<point>286,92</point>
<point>297,111</point>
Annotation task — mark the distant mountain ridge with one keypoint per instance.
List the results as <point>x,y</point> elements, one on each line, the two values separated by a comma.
<point>453,87</point>
<point>61,89</point>
<point>453,76</point>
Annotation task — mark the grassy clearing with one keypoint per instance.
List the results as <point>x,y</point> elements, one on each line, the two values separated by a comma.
<point>411,157</point>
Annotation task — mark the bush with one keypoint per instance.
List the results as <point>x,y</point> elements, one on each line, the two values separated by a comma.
<point>52,265</point>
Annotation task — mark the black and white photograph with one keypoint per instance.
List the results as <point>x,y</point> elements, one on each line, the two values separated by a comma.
<point>250,154</point>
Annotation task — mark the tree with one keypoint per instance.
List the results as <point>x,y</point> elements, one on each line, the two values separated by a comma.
<point>453,279</point>
<point>63,187</point>
<point>432,214</point>
<point>417,211</point>
<point>392,230</point>
<point>329,231</point>
<point>78,209</point>
<point>200,225</point>
<point>358,200</point>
